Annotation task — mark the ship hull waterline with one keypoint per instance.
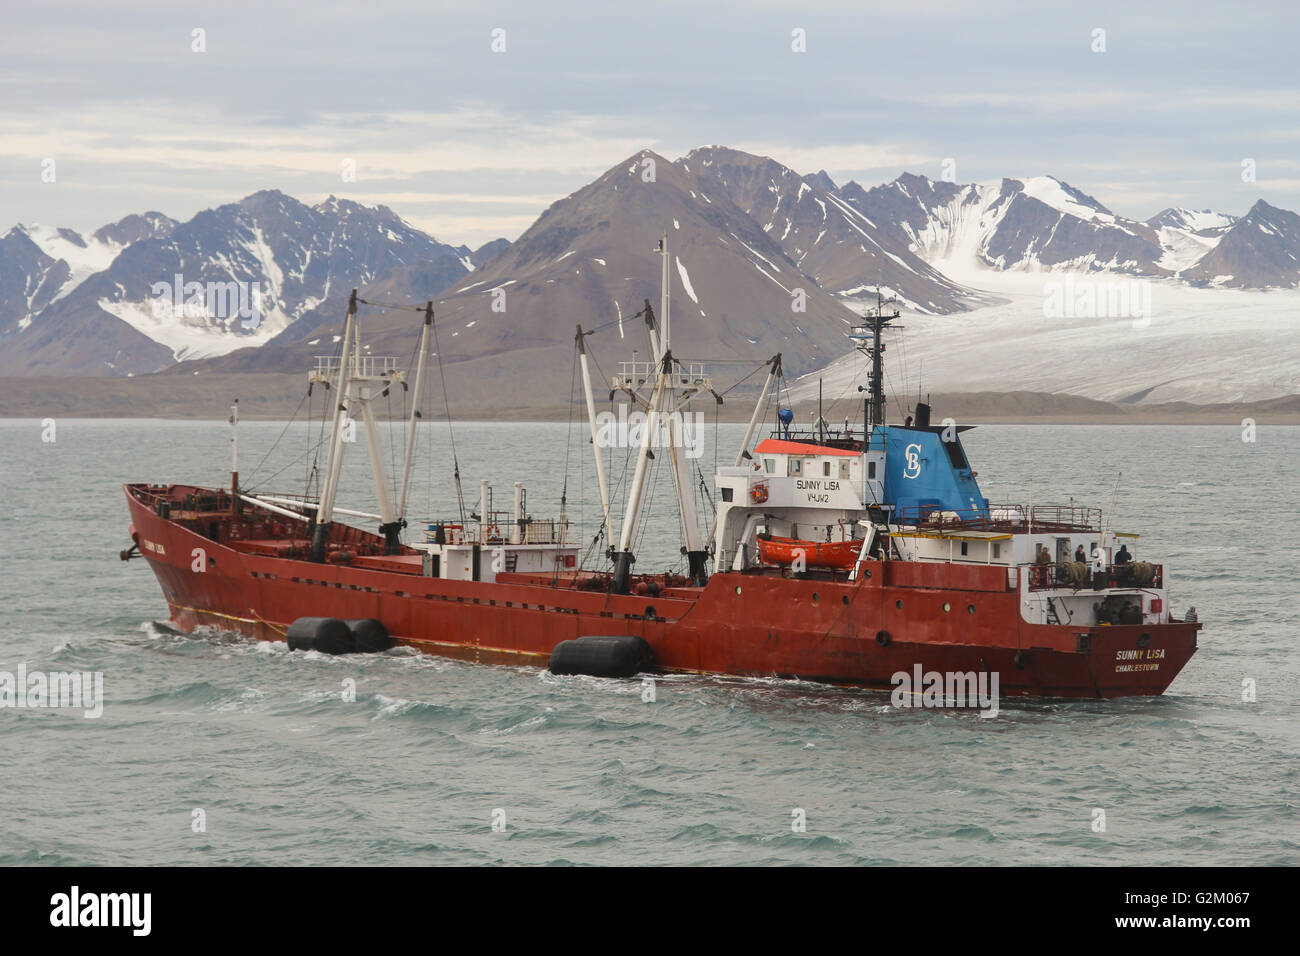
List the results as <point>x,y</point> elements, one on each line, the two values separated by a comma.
<point>895,617</point>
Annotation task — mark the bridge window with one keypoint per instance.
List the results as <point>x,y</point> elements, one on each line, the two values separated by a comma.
<point>826,469</point>
<point>796,466</point>
<point>871,469</point>
<point>955,454</point>
<point>769,465</point>
<point>844,468</point>
<point>726,494</point>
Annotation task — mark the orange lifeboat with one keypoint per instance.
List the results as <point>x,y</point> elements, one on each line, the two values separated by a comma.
<point>838,555</point>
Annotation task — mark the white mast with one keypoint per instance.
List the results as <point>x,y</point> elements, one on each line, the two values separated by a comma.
<point>665,301</point>
<point>373,382</point>
<point>623,559</point>
<point>658,406</point>
<point>416,413</point>
<point>773,373</point>
<point>591,421</point>
<point>361,380</point>
<point>334,465</point>
<point>690,525</point>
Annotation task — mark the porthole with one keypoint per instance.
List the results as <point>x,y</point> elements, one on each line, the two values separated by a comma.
<point>815,598</point>
<point>898,604</point>
<point>970,608</point>
<point>946,607</point>
<point>845,600</point>
<point>737,589</point>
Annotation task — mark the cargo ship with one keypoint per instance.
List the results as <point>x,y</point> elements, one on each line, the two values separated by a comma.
<point>839,555</point>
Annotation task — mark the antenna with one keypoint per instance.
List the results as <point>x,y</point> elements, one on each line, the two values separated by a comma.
<point>234,456</point>
<point>869,337</point>
<point>1114,502</point>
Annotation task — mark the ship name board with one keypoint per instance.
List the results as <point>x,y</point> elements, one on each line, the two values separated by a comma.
<point>813,486</point>
<point>1139,660</point>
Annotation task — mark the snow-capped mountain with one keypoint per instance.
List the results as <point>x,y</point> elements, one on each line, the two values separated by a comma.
<point>1259,250</point>
<point>1042,224</point>
<point>29,279</point>
<point>765,259</point>
<point>41,264</point>
<point>825,236</point>
<point>146,292</point>
<point>506,330</point>
<point>1188,236</point>
<point>1029,224</point>
<point>1192,220</point>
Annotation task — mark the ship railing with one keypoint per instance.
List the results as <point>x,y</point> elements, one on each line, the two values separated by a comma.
<point>831,436</point>
<point>1014,518</point>
<point>635,374</point>
<point>365,366</point>
<point>446,532</point>
<point>685,374</point>
<point>498,531</point>
<point>1079,575</point>
<point>217,502</point>
<point>152,494</point>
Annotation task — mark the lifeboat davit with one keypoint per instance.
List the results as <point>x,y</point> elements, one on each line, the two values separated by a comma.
<point>839,555</point>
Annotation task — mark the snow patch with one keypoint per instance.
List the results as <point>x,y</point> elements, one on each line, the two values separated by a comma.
<point>1051,192</point>
<point>686,281</point>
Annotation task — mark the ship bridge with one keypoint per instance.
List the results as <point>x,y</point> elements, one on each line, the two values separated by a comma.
<point>926,469</point>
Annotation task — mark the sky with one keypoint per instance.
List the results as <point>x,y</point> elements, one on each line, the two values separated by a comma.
<point>126,108</point>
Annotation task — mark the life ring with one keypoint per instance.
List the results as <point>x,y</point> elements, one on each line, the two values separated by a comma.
<point>758,494</point>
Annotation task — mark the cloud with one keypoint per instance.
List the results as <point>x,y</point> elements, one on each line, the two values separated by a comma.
<point>464,139</point>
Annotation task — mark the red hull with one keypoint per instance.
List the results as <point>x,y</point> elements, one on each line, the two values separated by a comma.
<point>747,624</point>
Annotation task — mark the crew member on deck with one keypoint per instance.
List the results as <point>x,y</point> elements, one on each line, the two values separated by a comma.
<point>1044,575</point>
<point>1124,566</point>
<point>1080,555</point>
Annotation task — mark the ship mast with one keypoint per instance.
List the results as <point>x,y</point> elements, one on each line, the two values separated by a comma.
<point>663,404</point>
<point>696,555</point>
<point>591,422</point>
<point>359,382</point>
<point>875,322</point>
<point>416,413</point>
<point>334,463</point>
